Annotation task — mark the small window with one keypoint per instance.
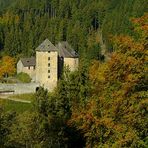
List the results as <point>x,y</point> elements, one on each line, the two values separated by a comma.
<point>48,77</point>
<point>48,64</point>
<point>48,71</point>
<point>28,67</point>
<point>48,58</point>
<point>48,51</point>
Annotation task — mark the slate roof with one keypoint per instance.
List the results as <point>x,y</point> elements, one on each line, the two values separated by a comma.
<point>65,50</point>
<point>46,45</point>
<point>28,61</point>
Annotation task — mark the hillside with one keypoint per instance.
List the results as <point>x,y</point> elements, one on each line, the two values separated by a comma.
<point>25,24</point>
<point>102,104</point>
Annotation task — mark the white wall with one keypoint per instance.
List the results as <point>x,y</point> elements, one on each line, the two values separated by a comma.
<point>72,63</point>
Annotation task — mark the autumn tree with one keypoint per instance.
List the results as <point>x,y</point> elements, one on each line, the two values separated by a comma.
<point>116,114</point>
<point>7,66</point>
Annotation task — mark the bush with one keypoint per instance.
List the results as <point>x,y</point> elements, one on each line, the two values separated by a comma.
<point>24,77</point>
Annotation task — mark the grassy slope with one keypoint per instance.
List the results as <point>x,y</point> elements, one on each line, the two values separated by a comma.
<point>18,107</point>
<point>28,97</point>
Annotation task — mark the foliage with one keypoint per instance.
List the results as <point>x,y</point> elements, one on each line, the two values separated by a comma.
<point>73,87</point>
<point>101,104</point>
<point>6,120</point>
<point>23,77</point>
<point>116,114</point>
<point>24,132</point>
<point>7,66</point>
<point>117,20</point>
<point>24,25</point>
<point>31,22</point>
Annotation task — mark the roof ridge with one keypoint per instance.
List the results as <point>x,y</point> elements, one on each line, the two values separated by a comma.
<point>65,50</point>
<point>46,45</point>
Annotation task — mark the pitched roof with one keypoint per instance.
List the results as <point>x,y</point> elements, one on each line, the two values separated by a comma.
<point>65,50</point>
<point>46,45</point>
<point>28,61</point>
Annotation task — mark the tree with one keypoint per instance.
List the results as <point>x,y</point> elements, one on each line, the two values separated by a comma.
<point>6,121</point>
<point>116,114</point>
<point>7,66</point>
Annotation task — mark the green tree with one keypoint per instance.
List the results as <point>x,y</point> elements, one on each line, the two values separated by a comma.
<point>6,121</point>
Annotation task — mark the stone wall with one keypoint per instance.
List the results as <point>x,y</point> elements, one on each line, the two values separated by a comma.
<point>19,88</point>
<point>72,63</point>
<point>19,67</point>
<point>47,69</point>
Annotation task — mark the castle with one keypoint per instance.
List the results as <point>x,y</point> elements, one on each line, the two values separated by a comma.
<point>46,67</point>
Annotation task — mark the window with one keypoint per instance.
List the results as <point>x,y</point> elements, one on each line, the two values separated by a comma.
<point>48,64</point>
<point>28,67</point>
<point>48,58</point>
<point>49,77</point>
<point>48,71</point>
<point>48,51</point>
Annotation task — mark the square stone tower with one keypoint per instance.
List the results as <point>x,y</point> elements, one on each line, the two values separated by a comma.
<point>47,65</point>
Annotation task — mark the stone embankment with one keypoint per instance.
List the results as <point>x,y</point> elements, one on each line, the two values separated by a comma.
<point>19,88</point>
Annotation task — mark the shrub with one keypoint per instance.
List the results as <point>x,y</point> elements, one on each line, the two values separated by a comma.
<point>24,77</point>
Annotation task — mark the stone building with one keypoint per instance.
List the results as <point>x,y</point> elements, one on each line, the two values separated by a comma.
<point>49,63</point>
<point>27,65</point>
<point>67,56</point>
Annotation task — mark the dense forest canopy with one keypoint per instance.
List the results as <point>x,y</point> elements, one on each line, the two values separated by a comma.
<point>25,24</point>
<point>103,106</point>
<point>104,103</point>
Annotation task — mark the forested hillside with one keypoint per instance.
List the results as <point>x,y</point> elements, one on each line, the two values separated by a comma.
<point>103,104</point>
<point>25,24</point>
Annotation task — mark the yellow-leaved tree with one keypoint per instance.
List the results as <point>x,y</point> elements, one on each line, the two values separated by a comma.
<point>7,66</point>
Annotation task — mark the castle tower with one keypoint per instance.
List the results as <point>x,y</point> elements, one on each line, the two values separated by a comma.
<point>47,65</point>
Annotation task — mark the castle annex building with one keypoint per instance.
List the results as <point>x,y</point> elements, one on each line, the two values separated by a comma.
<point>47,66</point>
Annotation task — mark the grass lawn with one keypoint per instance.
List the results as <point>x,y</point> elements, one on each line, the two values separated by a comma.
<point>18,107</point>
<point>27,97</point>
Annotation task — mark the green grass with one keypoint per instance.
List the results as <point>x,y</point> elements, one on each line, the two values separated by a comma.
<point>18,107</point>
<point>28,97</point>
